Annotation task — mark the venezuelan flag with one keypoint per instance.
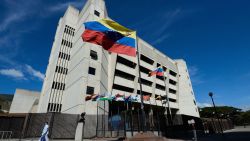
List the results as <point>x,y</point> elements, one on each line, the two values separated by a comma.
<point>111,36</point>
<point>158,72</point>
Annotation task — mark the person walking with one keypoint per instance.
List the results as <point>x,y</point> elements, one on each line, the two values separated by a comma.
<point>44,136</point>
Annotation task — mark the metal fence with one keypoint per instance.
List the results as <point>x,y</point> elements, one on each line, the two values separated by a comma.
<point>30,125</point>
<point>5,134</point>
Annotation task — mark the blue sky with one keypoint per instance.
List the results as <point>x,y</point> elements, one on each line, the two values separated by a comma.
<point>212,36</point>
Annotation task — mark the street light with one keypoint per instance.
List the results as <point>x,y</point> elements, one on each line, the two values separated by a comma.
<point>211,95</point>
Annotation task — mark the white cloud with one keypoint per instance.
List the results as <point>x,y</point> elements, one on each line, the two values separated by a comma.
<point>34,73</point>
<point>201,105</point>
<point>12,73</point>
<point>195,76</point>
<point>63,6</point>
<point>162,38</point>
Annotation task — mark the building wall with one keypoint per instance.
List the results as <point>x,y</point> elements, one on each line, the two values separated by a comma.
<point>113,73</point>
<point>187,101</point>
<point>24,101</point>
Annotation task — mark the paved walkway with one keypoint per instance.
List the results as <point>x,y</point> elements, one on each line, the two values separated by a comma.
<point>237,134</point>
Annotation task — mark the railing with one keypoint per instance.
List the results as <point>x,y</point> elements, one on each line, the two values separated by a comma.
<point>5,134</point>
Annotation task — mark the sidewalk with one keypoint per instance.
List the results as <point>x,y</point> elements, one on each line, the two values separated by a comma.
<point>237,134</point>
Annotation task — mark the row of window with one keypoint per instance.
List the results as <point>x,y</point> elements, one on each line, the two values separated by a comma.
<point>151,62</point>
<point>64,56</point>
<point>69,30</point>
<point>61,70</point>
<point>58,86</point>
<point>67,43</point>
<point>54,107</point>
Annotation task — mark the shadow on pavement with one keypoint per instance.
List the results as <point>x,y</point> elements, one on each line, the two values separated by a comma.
<point>228,136</point>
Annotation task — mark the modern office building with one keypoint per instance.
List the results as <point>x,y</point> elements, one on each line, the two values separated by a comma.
<point>77,69</point>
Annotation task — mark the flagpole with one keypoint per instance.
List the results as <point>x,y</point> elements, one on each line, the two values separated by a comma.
<point>142,103</point>
<point>169,109</point>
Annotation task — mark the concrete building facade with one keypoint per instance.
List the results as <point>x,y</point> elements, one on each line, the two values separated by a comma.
<point>24,101</point>
<point>77,69</point>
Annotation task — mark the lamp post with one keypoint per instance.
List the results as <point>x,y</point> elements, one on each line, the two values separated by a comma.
<point>216,113</point>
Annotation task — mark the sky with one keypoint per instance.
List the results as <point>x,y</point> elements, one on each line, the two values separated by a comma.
<point>212,36</point>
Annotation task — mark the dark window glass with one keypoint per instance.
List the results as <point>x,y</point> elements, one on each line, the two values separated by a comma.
<point>97,13</point>
<point>93,55</point>
<point>90,90</point>
<point>172,82</point>
<point>144,70</point>
<point>91,70</point>
<point>172,91</point>
<point>49,105</point>
<point>172,73</point>
<point>164,68</point>
<point>66,71</point>
<point>53,85</point>
<point>144,93</point>
<point>124,75</point>
<point>172,100</point>
<point>126,62</point>
<point>123,88</point>
<point>60,107</point>
<point>160,77</point>
<point>160,87</point>
<point>194,102</point>
<point>56,68</point>
<point>61,87</point>
<point>147,60</point>
<point>145,82</point>
<point>54,105</point>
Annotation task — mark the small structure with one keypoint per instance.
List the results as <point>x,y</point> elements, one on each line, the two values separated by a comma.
<point>24,101</point>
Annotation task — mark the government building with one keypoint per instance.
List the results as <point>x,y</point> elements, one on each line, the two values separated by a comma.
<point>77,69</point>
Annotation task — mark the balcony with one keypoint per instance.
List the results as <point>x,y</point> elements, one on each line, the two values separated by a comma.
<point>145,76</point>
<point>161,82</point>
<point>125,68</point>
<point>160,92</point>
<point>172,87</point>
<point>146,65</point>
<point>124,82</point>
<point>173,78</point>
<point>145,88</point>
<point>173,96</point>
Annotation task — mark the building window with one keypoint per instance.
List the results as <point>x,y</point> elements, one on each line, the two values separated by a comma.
<point>172,100</point>
<point>123,88</point>
<point>126,62</point>
<point>172,73</point>
<point>147,60</point>
<point>93,55</point>
<point>144,70</point>
<point>90,90</point>
<point>172,91</point>
<point>97,13</point>
<point>145,82</point>
<point>124,75</point>
<point>160,87</point>
<point>194,102</point>
<point>91,70</point>
<point>172,82</point>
